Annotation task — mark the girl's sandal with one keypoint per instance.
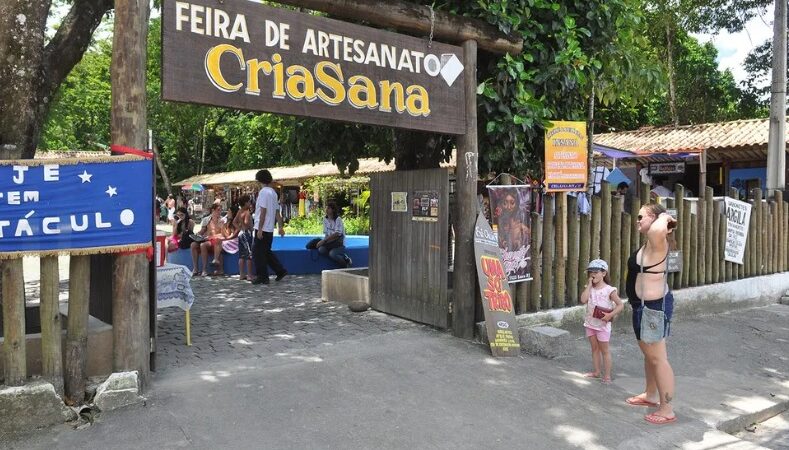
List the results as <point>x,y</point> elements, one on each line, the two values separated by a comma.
<point>591,375</point>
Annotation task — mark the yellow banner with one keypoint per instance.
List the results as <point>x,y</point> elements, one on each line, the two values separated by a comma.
<point>566,166</point>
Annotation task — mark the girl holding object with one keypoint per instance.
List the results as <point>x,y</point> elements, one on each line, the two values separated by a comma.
<point>602,305</point>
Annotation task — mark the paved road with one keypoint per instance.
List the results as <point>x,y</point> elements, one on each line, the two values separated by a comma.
<point>415,387</point>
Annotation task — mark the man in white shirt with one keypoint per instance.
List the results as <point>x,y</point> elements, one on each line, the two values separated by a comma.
<point>266,217</point>
<point>658,190</point>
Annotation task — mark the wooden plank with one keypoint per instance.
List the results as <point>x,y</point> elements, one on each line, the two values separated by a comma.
<point>605,225</point>
<point>596,224</point>
<point>679,204</point>
<point>547,251</point>
<point>693,272</point>
<point>77,335</point>
<point>560,273</point>
<point>716,238</point>
<point>51,325</point>
<point>535,285</point>
<point>686,243</point>
<point>615,261</point>
<point>758,252</point>
<point>573,250</point>
<point>584,250</point>
<point>15,351</point>
<point>709,234</point>
<point>466,204</point>
<point>625,252</point>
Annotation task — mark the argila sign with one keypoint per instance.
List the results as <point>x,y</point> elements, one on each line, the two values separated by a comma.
<point>242,54</point>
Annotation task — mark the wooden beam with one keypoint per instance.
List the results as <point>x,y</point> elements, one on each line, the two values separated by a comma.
<point>466,206</point>
<point>130,290</point>
<point>15,365</point>
<point>410,18</point>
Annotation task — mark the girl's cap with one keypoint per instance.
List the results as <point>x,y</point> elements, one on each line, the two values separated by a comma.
<point>597,264</point>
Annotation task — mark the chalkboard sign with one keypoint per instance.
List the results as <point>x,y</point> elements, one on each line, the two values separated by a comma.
<point>674,261</point>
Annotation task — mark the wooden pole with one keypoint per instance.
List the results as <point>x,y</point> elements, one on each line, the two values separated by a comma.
<point>596,224</point>
<point>686,249</point>
<point>77,334</point>
<point>561,265</point>
<point>130,291</point>
<point>605,226</point>
<point>584,250</point>
<point>625,251</point>
<point>573,249</point>
<point>547,251</point>
<point>466,205</point>
<point>758,252</point>
<point>535,284</point>
<point>709,232</point>
<point>162,170</point>
<point>785,235</point>
<point>15,364</point>
<point>51,326</point>
<point>716,254</point>
<point>693,269</point>
<point>416,19</point>
<point>679,204</point>
<point>616,235</point>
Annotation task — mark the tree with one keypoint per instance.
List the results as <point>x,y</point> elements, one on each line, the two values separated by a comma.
<point>33,69</point>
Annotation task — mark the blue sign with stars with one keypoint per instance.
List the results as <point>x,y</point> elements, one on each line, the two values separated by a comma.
<point>75,205</point>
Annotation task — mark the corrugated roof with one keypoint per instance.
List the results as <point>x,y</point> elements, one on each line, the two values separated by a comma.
<point>691,138</point>
<point>295,174</point>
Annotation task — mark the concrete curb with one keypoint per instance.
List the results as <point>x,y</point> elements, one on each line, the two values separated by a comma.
<point>739,423</point>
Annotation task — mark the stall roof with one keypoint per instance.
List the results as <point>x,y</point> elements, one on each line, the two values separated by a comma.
<point>736,140</point>
<point>293,175</point>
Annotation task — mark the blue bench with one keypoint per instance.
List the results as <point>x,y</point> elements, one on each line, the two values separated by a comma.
<point>292,253</point>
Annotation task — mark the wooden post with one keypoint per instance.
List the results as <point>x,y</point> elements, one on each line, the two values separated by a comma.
<point>51,326</point>
<point>773,240</point>
<point>573,250</point>
<point>466,204</point>
<point>750,244</point>
<point>679,204</point>
<point>785,234</point>
<point>616,235</point>
<point>716,253</point>
<point>535,284</point>
<point>701,222</point>
<point>77,334</point>
<point>13,288</point>
<point>702,173</point>
<point>547,251</point>
<point>584,251</point>
<point>625,252</point>
<point>596,223</point>
<point>693,268</point>
<point>605,225</point>
<point>709,232</point>
<point>758,252</point>
<point>560,273</point>
<point>670,276</point>
<point>686,243</point>
<point>130,291</point>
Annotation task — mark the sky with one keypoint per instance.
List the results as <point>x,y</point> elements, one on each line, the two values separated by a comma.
<point>733,48</point>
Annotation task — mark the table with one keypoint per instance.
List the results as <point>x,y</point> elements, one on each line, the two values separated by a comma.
<point>173,288</point>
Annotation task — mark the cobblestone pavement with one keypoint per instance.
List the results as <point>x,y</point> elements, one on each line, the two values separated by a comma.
<point>232,319</point>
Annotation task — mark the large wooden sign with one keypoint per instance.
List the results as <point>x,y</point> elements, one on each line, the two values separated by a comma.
<point>242,54</point>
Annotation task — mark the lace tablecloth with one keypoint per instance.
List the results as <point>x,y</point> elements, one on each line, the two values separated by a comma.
<point>173,287</point>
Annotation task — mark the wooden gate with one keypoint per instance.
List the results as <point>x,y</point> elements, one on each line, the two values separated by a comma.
<point>408,257</point>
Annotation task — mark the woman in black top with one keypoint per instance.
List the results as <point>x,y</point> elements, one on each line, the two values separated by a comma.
<point>649,283</point>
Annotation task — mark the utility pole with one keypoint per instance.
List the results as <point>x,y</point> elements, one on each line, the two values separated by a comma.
<point>776,147</point>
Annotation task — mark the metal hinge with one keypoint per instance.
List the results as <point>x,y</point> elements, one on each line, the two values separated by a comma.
<point>449,307</point>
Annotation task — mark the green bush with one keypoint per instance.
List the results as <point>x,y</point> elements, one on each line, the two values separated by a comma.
<point>357,225</point>
<point>313,224</point>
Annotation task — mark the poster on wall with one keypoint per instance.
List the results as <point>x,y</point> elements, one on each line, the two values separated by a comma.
<point>738,218</point>
<point>425,206</point>
<point>566,162</point>
<point>79,206</point>
<point>510,211</point>
<point>247,55</point>
<point>500,323</point>
<point>399,201</point>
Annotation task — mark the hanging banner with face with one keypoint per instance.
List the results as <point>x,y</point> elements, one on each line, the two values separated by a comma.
<point>738,218</point>
<point>566,164</point>
<point>245,55</point>
<point>76,206</point>
<point>497,301</point>
<point>511,206</point>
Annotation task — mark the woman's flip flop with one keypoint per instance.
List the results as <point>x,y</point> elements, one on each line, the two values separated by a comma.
<point>639,401</point>
<point>591,375</point>
<point>659,420</point>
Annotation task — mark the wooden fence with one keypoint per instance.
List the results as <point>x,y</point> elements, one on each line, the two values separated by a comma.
<point>564,241</point>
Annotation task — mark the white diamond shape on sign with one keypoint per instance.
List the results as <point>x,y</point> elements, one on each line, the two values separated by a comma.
<point>451,68</point>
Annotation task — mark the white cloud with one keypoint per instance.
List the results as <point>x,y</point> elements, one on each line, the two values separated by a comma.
<point>733,48</point>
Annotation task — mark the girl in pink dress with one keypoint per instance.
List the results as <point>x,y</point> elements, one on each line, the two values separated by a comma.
<point>602,305</point>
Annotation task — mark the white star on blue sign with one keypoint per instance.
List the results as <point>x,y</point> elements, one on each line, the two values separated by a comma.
<point>111,191</point>
<point>85,176</point>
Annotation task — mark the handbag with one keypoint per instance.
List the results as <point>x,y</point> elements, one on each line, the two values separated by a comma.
<point>653,322</point>
<point>313,244</point>
<point>599,312</point>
